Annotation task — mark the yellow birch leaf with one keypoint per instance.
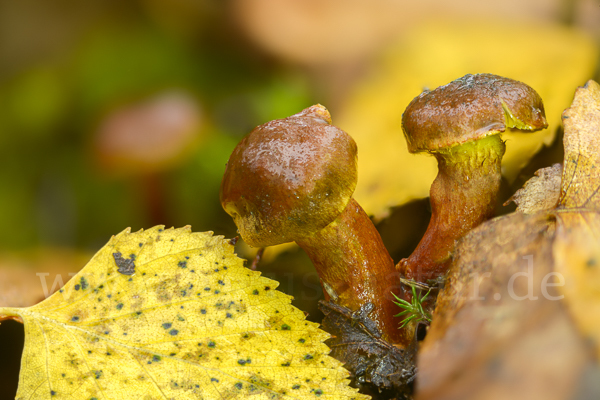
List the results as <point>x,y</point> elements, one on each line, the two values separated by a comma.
<point>549,58</point>
<point>171,314</point>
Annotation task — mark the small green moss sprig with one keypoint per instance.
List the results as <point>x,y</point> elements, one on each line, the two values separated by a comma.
<point>414,310</point>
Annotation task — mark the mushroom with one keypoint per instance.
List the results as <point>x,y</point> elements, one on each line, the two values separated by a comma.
<point>460,124</point>
<point>141,141</point>
<point>292,180</point>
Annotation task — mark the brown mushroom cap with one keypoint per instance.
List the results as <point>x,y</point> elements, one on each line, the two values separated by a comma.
<point>289,178</point>
<point>470,108</point>
<point>149,136</point>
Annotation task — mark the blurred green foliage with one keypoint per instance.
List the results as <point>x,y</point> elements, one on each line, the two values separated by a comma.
<point>67,66</point>
<point>52,192</point>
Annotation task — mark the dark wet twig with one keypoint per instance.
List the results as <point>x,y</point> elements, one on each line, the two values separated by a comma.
<point>259,255</point>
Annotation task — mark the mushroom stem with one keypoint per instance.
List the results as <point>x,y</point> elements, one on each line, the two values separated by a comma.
<point>355,268</point>
<point>153,190</point>
<point>462,196</point>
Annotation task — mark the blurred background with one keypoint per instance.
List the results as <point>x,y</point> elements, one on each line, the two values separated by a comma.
<point>121,114</point>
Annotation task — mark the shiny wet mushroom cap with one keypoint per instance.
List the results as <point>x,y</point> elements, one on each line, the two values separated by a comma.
<point>470,108</point>
<point>289,177</point>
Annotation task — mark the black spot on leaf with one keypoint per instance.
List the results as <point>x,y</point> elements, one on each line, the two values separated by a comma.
<point>126,266</point>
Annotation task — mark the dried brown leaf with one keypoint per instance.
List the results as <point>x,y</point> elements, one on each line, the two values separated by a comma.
<point>28,278</point>
<point>376,365</point>
<point>577,258</point>
<point>540,192</point>
<point>581,174</point>
<point>487,340</point>
<point>577,244</point>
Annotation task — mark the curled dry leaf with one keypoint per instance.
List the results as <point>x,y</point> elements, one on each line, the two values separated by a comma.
<point>521,304</point>
<point>540,192</point>
<point>190,322</point>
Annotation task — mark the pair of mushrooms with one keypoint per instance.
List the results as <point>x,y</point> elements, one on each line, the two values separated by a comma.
<point>292,180</point>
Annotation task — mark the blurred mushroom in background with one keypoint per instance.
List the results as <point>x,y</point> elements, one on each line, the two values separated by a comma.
<point>141,141</point>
